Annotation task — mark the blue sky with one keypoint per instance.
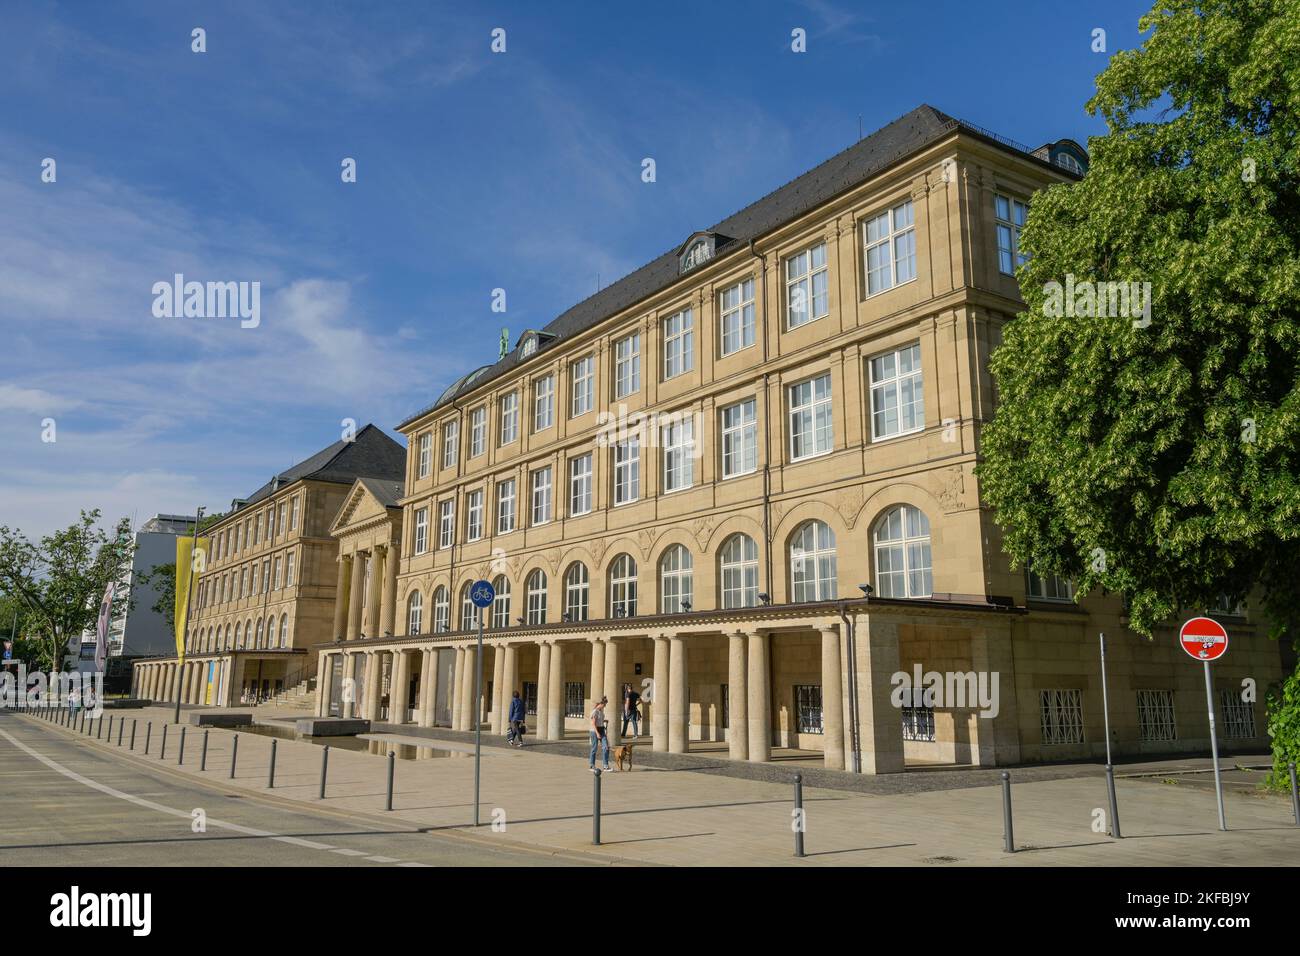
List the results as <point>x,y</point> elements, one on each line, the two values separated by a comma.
<point>474,171</point>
